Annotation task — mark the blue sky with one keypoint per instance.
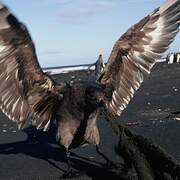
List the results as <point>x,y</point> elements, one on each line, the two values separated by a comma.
<point>68,32</point>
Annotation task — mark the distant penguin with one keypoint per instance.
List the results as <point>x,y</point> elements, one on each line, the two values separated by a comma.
<point>170,58</point>
<point>173,58</point>
<point>177,57</point>
<point>99,66</point>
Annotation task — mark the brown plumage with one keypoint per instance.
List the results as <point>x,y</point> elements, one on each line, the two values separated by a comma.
<point>29,95</point>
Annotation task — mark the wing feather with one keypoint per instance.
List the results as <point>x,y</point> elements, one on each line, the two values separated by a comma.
<point>134,54</point>
<point>26,93</point>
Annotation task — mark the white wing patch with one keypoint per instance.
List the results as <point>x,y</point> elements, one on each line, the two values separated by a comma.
<point>159,32</point>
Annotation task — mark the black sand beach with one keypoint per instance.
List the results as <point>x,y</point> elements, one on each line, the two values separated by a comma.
<point>32,154</point>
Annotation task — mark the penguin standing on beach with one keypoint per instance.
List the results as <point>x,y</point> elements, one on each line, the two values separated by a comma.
<point>99,66</point>
<point>173,58</point>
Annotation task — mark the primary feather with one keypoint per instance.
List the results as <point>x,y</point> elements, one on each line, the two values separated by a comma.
<point>26,93</point>
<point>135,53</point>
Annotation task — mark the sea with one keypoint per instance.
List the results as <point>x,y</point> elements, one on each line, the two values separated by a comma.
<point>66,69</point>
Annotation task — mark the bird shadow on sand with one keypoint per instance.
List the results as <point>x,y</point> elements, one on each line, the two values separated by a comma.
<point>42,145</point>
